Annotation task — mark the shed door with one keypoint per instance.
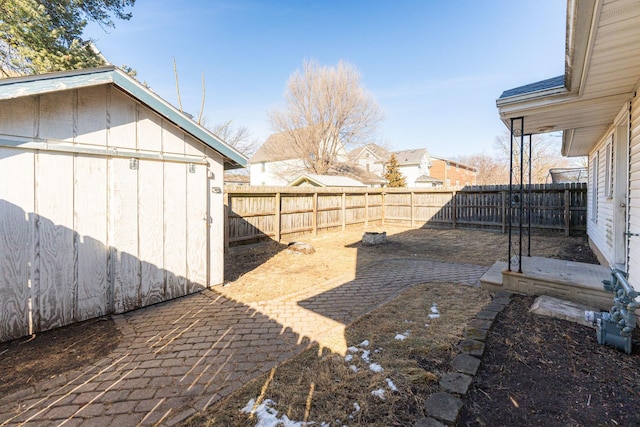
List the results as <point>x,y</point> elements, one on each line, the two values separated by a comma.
<point>158,230</point>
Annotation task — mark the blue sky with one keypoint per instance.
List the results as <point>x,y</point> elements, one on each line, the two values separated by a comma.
<point>435,67</point>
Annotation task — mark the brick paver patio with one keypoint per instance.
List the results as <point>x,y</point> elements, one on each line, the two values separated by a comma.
<point>179,357</point>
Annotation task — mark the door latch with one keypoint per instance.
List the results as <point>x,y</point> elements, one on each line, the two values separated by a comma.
<point>631,234</point>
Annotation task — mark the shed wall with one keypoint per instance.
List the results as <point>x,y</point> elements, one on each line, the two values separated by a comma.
<point>86,234</point>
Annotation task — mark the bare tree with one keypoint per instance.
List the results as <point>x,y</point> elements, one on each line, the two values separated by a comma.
<point>491,170</point>
<point>239,137</point>
<point>327,109</point>
<point>545,154</point>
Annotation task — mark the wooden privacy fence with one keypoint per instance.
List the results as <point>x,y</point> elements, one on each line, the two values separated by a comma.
<point>254,213</point>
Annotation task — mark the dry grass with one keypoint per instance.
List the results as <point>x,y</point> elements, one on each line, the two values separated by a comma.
<point>324,388</point>
<point>267,271</point>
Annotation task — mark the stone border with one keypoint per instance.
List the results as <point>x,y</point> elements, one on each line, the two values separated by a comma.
<point>444,406</point>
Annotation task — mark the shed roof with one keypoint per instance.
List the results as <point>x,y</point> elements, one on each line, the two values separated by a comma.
<point>17,87</point>
<point>327,181</point>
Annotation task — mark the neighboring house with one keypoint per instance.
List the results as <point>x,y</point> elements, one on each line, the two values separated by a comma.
<point>452,173</point>
<point>596,105</point>
<point>428,181</point>
<point>110,199</point>
<point>371,158</point>
<point>277,162</point>
<point>235,179</point>
<point>311,180</point>
<point>414,164</point>
<point>274,164</point>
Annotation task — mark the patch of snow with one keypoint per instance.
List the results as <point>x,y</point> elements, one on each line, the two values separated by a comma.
<point>354,368</point>
<point>366,354</point>
<point>348,358</point>
<point>364,343</point>
<point>435,313</point>
<point>353,349</point>
<point>376,368</point>
<point>400,337</point>
<point>391,385</point>
<point>426,325</point>
<point>378,393</point>
<point>268,416</point>
<point>356,406</point>
<point>378,350</point>
<point>409,321</point>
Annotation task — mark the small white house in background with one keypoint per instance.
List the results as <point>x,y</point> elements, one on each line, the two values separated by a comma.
<point>596,106</point>
<point>110,199</point>
<point>371,158</point>
<point>312,180</point>
<point>414,165</point>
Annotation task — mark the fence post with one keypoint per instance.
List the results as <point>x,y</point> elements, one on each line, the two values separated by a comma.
<point>314,219</point>
<point>504,211</point>
<point>276,222</point>
<point>413,221</point>
<point>227,214</point>
<point>454,209</point>
<point>366,209</point>
<point>382,194</point>
<point>567,212</point>
<point>344,211</point>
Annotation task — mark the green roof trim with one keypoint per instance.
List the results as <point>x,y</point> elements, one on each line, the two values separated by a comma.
<point>44,83</point>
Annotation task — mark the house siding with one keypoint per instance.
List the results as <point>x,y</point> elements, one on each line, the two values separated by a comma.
<point>83,235</point>
<point>600,213</point>
<point>634,193</point>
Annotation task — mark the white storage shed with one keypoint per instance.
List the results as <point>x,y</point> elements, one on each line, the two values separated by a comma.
<point>110,199</point>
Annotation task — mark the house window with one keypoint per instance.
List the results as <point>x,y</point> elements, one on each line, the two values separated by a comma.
<point>608,169</point>
<point>367,167</point>
<point>448,182</point>
<point>263,167</point>
<point>594,186</point>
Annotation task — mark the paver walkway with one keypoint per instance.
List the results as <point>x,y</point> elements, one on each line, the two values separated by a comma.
<point>181,356</point>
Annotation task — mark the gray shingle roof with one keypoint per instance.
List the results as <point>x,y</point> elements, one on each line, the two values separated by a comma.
<point>410,157</point>
<point>554,82</point>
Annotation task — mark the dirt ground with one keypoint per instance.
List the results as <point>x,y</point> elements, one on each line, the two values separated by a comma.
<point>535,370</point>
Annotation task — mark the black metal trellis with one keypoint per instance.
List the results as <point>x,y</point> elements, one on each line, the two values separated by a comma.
<point>516,196</point>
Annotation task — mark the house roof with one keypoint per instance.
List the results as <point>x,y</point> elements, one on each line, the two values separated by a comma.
<point>275,148</point>
<point>17,87</point>
<point>602,69</point>
<point>375,149</point>
<point>455,162</point>
<point>427,178</point>
<point>410,157</point>
<point>327,181</point>
<point>543,85</point>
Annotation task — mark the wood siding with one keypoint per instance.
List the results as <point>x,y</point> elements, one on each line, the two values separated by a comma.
<point>86,234</point>
<point>257,213</point>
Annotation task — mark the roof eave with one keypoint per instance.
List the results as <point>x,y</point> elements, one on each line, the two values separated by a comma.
<point>39,84</point>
